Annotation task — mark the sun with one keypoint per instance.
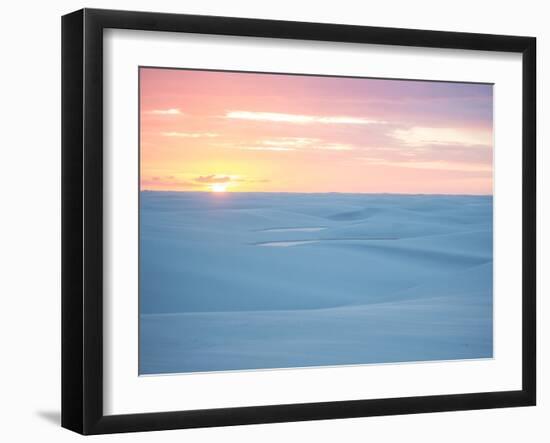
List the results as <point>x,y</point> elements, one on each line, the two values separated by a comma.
<point>219,187</point>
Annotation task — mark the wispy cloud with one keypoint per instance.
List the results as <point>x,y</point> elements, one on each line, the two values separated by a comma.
<point>441,165</point>
<point>282,144</point>
<point>169,111</point>
<point>285,144</point>
<point>167,181</point>
<point>213,179</point>
<point>190,134</point>
<point>296,142</point>
<point>268,148</point>
<point>418,135</point>
<point>187,182</point>
<point>299,118</point>
<point>335,147</point>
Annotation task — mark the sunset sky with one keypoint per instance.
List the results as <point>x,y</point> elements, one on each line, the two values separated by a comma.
<point>238,132</point>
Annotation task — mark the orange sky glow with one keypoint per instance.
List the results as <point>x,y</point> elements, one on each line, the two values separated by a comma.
<point>221,131</point>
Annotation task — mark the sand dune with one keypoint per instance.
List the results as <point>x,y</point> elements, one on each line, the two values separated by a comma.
<point>304,229</point>
<point>248,281</point>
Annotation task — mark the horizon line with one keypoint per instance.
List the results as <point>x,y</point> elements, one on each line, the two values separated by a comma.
<point>305,192</point>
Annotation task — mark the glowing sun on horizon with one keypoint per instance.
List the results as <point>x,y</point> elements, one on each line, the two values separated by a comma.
<point>219,187</point>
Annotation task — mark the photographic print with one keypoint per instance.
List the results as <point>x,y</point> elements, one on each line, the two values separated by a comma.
<point>294,221</point>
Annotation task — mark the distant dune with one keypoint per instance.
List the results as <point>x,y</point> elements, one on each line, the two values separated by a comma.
<point>238,281</point>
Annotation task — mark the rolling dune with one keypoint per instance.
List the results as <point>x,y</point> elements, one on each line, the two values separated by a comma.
<point>265,280</point>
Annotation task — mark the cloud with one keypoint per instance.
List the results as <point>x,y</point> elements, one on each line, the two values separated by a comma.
<point>170,111</point>
<point>267,148</point>
<point>418,135</point>
<point>282,144</point>
<point>335,147</point>
<point>169,181</point>
<point>213,179</point>
<point>442,157</point>
<point>190,134</point>
<point>290,141</point>
<point>441,165</point>
<point>297,143</point>
<point>299,119</point>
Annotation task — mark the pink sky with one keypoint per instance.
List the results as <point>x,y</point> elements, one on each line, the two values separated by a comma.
<point>207,130</point>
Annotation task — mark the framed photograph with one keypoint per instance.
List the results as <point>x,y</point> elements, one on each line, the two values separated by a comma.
<point>268,221</point>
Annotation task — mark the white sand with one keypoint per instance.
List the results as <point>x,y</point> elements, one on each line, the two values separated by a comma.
<point>354,279</point>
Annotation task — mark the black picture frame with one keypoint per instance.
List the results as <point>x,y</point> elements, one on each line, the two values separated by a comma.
<point>82,220</point>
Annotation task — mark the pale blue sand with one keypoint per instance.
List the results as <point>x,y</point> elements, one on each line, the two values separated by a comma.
<point>239,281</point>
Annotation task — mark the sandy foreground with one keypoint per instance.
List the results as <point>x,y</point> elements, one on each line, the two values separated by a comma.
<point>239,281</point>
